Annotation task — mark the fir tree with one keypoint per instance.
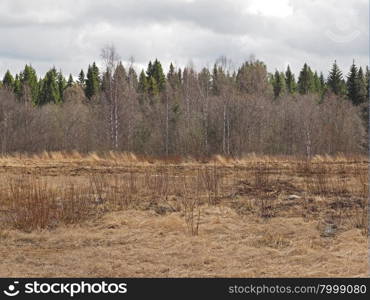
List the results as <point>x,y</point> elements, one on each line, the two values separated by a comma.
<point>153,87</point>
<point>81,78</point>
<point>218,79</point>
<point>132,77</point>
<point>143,83</point>
<point>8,80</point>
<point>367,80</point>
<point>172,77</point>
<point>92,82</point>
<point>205,80</point>
<point>62,84</point>
<point>215,81</point>
<point>158,75</point>
<point>120,76</point>
<point>156,80</point>
<point>317,83</point>
<point>179,75</point>
<point>322,82</point>
<point>29,88</point>
<point>149,70</point>
<point>50,89</point>
<point>291,84</point>
<point>362,95</point>
<point>278,83</point>
<point>306,83</point>
<point>353,85</point>
<point>17,86</point>
<point>335,81</point>
<point>70,81</point>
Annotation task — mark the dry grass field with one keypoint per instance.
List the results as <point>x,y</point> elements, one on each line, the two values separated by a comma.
<point>119,215</point>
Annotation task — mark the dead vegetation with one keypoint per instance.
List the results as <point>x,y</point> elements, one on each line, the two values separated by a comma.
<point>197,206</point>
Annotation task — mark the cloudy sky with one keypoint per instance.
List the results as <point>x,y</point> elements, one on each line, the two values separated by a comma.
<point>69,34</point>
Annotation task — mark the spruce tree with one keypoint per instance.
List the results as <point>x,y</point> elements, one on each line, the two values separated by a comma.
<point>322,82</point>
<point>70,81</point>
<point>50,89</point>
<point>219,78</point>
<point>81,78</point>
<point>149,70</point>
<point>17,86</point>
<point>306,83</point>
<point>159,76</point>
<point>8,80</point>
<point>153,87</point>
<point>29,88</point>
<point>143,83</point>
<point>179,75</point>
<point>215,81</point>
<point>335,80</point>
<point>156,79</point>
<point>142,87</point>
<point>317,83</point>
<point>172,77</point>
<point>205,81</point>
<point>291,84</point>
<point>120,76</point>
<point>367,80</point>
<point>353,85</point>
<point>362,86</point>
<point>278,83</point>
<point>132,77</point>
<point>92,82</point>
<point>62,84</point>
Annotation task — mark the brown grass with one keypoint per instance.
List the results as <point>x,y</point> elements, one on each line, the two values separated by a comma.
<point>118,215</point>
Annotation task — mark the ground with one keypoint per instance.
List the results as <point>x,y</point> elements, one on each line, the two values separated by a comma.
<point>68,215</point>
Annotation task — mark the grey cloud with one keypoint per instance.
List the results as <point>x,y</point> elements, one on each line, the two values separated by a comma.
<point>70,33</point>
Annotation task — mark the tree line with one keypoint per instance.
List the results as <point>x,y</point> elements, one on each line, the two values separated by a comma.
<point>185,112</point>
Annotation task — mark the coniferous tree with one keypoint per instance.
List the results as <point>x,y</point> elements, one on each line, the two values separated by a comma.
<point>306,82</point>
<point>353,85</point>
<point>219,79</point>
<point>215,80</point>
<point>366,103</point>
<point>179,75</point>
<point>367,80</point>
<point>317,83</point>
<point>70,81</point>
<point>81,79</point>
<point>158,75</point>
<point>8,80</point>
<point>62,84</point>
<point>335,82</point>
<point>153,87</point>
<point>132,77</point>
<point>143,83</point>
<point>278,83</point>
<point>143,87</point>
<point>149,70</point>
<point>92,82</point>
<point>362,86</point>
<point>29,88</point>
<point>17,86</point>
<point>205,81</point>
<point>50,90</point>
<point>322,82</point>
<point>291,84</point>
<point>120,76</point>
<point>172,77</point>
<point>156,80</point>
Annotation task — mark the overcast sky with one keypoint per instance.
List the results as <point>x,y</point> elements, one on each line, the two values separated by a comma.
<point>69,34</point>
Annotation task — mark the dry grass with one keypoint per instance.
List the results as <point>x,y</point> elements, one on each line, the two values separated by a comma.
<point>119,215</point>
